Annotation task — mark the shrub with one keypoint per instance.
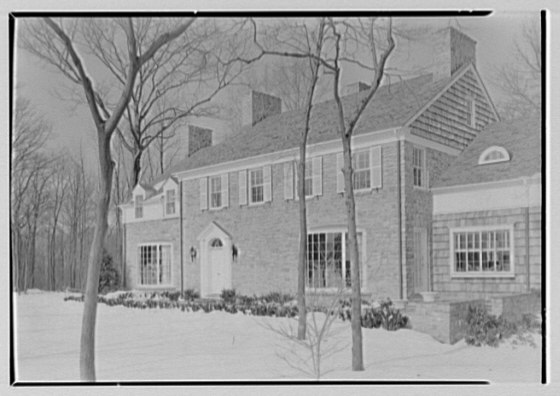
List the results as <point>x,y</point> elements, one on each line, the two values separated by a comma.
<point>228,295</point>
<point>109,278</point>
<point>384,315</point>
<point>190,294</point>
<point>486,329</point>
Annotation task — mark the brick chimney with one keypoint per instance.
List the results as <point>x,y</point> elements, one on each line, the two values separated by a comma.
<point>258,106</point>
<point>198,138</point>
<point>354,88</point>
<point>452,50</point>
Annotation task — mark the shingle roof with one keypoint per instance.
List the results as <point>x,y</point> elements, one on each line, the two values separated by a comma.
<point>392,106</point>
<point>521,138</point>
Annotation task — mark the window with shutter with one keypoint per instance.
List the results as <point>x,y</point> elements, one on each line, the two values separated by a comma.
<point>256,186</point>
<point>243,187</point>
<point>376,167</point>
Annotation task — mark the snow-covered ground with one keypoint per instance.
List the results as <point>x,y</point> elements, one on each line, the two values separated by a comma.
<point>158,344</point>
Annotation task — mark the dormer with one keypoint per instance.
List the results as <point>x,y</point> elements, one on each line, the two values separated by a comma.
<point>170,191</point>
<point>139,194</point>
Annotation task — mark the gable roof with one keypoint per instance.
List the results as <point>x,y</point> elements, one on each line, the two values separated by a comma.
<point>521,138</point>
<point>393,105</point>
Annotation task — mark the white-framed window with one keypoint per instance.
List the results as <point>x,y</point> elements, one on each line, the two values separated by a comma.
<point>419,167</point>
<point>309,171</point>
<point>138,206</point>
<point>256,185</point>
<point>155,262</point>
<point>493,154</point>
<point>362,171</point>
<point>368,170</point>
<point>215,192</point>
<point>170,199</point>
<point>482,252</point>
<point>328,259</point>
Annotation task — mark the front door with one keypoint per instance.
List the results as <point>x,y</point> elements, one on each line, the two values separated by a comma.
<point>218,266</point>
<point>420,259</point>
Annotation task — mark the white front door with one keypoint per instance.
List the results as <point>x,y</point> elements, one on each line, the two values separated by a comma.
<point>218,267</point>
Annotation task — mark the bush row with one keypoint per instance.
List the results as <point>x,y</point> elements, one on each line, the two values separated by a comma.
<point>382,315</point>
<point>486,329</point>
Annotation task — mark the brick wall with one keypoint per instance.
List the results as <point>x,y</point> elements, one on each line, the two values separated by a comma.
<point>267,236</point>
<point>418,205</point>
<point>163,231</point>
<point>488,286</point>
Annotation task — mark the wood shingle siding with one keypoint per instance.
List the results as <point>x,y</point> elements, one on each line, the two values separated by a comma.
<point>445,120</point>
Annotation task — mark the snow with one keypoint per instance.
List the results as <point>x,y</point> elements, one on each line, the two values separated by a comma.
<point>167,344</point>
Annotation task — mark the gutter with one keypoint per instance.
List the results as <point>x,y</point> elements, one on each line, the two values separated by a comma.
<point>399,220</point>
<point>181,235</point>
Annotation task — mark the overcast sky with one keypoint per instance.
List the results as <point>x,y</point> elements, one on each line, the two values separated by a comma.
<point>73,125</point>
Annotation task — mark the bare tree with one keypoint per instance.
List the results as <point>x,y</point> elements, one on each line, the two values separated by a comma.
<point>520,81</point>
<point>53,43</point>
<point>349,40</point>
<point>28,160</point>
<point>57,194</point>
<point>308,354</point>
<point>180,80</point>
<point>365,34</point>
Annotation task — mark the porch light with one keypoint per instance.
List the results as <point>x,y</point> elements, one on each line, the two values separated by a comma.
<point>234,252</point>
<point>193,253</point>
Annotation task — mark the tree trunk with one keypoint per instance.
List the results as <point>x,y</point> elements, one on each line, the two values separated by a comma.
<point>302,311</point>
<point>137,168</point>
<point>87,342</point>
<point>356,321</point>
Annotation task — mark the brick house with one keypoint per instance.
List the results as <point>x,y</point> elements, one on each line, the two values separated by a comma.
<point>228,215</point>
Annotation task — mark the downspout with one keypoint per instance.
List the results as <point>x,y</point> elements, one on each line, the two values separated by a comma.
<point>181,234</point>
<point>527,261</point>
<point>527,239</point>
<point>399,218</point>
<point>123,253</point>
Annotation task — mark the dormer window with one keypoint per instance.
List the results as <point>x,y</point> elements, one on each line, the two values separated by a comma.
<point>493,155</point>
<point>138,206</point>
<point>170,202</point>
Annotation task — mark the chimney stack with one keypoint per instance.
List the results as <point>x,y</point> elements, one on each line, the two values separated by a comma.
<point>453,50</point>
<point>259,106</point>
<point>198,138</point>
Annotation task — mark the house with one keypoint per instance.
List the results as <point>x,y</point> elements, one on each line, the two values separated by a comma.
<point>487,215</point>
<point>228,215</point>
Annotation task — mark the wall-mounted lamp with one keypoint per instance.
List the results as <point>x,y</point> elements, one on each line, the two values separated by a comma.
<point>193,253</point>
<point>234,252</point>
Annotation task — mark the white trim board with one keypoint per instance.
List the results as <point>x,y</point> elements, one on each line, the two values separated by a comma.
<point>508,194</point>
<point>330,147</point>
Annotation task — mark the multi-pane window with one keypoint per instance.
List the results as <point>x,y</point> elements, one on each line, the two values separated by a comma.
<point>170,202</point>
<point>139,206</point>
<point>328,260</point>
<point>362,170</point>
<point>216,192</point>
<point>155,264</point>
<point>482,252</point>
<point>419,167</point>
<point>256,185</point>
<point>493,154</point>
